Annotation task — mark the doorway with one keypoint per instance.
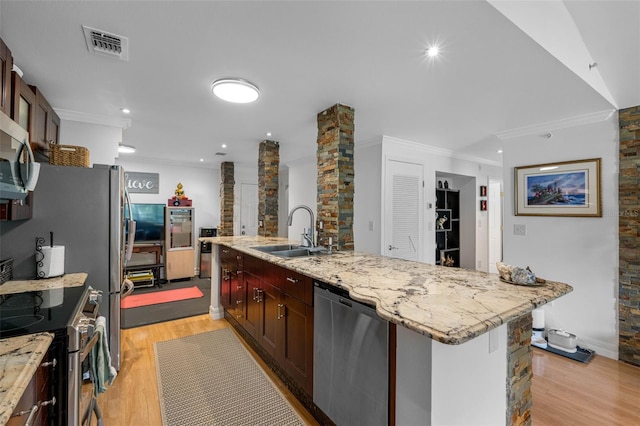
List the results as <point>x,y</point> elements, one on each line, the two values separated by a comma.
<point>403,210</point>
<point>248,209</point>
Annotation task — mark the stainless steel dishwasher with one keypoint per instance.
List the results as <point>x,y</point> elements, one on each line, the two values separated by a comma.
<point>350,359</point>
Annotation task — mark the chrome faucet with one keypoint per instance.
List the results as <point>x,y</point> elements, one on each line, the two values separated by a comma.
<point>309,238</point>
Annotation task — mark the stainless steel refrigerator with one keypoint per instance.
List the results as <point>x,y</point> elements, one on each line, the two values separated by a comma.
<point>84,208</point>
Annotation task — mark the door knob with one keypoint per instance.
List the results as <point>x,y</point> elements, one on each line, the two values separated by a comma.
<point>392,247</point>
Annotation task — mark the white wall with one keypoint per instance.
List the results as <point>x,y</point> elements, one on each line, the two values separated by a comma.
<point>202,185</point>
<point>102,141</point>
<point>582,252</point>
<point>367,226</point>
<point>303,177</point>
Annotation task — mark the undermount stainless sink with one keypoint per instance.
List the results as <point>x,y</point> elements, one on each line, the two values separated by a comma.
<point>291,250</point>
<point>281,247</point>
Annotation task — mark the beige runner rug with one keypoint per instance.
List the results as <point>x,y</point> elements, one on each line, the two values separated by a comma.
<point>211,379</point>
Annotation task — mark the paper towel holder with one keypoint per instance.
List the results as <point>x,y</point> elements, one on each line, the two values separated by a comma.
<point>52,267</point>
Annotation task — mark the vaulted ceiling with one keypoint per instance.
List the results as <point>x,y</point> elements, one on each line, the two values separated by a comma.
<point>503,65</point>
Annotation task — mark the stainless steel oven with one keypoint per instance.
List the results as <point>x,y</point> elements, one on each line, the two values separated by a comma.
<point>82,337</point>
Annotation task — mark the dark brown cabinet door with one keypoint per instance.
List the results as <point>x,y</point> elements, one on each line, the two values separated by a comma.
<point>297,345</point>
<point>23,104</point>
<point>270,324</point>
<point>6,64</point>
<point>225,286</point>
<point>41,117</point>
<point>46,127</point>
<point>238,296</point>
<point>253,306</point>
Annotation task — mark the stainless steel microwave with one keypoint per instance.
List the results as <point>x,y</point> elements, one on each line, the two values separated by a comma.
<point>18,170</point>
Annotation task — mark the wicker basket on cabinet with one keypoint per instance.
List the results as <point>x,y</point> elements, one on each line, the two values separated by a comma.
<point>68,155</point>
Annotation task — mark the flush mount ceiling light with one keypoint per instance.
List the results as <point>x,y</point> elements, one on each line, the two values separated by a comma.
<point>235,90</point>
<point>433,51</point>
<point>126,149</point>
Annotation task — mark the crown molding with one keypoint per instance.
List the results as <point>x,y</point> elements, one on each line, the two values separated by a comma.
<point>580,120</point>
<point>441,151</point>
<point>85,117</point>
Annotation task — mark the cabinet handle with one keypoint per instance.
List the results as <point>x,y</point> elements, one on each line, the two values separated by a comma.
<point>254,294</point>
<point>52,401</point>
<point>239,287</point>
<point>238,302</point>
<point>31,412</point>
<point>225,251</point>
<point>280,314</point>
<point>259,295</point>
<point>292,280</point>
<point>50,363</point>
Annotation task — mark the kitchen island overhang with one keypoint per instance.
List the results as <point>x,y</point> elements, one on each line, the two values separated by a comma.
<point>463,352</point>
<point>449,305</point>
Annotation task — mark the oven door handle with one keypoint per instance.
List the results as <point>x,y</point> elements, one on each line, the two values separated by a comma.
<point>87,349</point>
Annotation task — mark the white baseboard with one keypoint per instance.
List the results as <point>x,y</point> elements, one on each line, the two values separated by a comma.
<point>216,313</point>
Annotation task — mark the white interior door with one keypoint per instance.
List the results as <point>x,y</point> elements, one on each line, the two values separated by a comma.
<point>404,213</point>
<point>248,209</point>
<point>494,208</point>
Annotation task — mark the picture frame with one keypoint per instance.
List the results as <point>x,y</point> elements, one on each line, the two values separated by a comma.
<point>483,205</point>
<point>483,191</point>
<point>567,188</point>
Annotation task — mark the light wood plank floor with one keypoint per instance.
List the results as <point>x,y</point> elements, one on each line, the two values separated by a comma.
<point>565,392</point>
<point>133,398</point>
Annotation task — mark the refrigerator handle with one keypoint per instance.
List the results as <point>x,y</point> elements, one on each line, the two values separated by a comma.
<point>132,228</point>
<point>127,288</point>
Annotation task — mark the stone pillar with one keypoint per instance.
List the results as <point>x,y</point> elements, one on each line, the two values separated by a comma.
<point>629,236</point>
<point>519,371</point>
<point>336,176</point>
<point>268,170</point>
<point>226,199</point>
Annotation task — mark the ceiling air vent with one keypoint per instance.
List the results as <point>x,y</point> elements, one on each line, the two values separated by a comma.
<point>104,43</point>
<point>221,153</point>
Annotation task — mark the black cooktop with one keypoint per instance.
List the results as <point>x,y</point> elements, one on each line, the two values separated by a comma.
<point>38,311</point>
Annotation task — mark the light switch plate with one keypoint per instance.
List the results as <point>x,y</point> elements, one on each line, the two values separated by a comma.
<point>520,230</point>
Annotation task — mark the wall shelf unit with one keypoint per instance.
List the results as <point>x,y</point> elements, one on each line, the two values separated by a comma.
<point>447,227</point>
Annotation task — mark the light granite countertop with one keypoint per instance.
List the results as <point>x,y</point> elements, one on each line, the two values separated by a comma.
<point>450,305</point>
<point>19,359</point>
<point>66,280</point>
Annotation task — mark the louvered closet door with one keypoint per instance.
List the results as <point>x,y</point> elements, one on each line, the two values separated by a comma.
<point>404,214</point>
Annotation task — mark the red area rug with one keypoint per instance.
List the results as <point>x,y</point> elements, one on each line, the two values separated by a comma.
<point>157,297</point>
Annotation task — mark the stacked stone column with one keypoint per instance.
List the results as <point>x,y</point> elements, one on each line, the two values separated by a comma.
<point>629,236</point>
<point>268,170</point>
<point>519,371</point>
<point>227,182</point>
<point>336,176</point>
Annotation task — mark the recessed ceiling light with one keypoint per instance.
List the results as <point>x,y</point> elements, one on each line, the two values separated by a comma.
<point>499,151</point>
<point>125,110</point>
<point>224,145</point>
<point>433,51</point>
<point>201,160</point>
<point>235,90</point>
<point>126,149</point>
<point>268,133</point>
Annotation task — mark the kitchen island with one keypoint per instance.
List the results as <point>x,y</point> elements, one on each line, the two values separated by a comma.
<point>461,334</point>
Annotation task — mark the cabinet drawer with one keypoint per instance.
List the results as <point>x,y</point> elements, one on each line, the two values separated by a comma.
<point>298,286</point>
<point>227,255</point>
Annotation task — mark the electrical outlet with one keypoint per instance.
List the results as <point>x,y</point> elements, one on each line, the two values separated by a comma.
<point>520,230</point>
<point>371,225</point>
